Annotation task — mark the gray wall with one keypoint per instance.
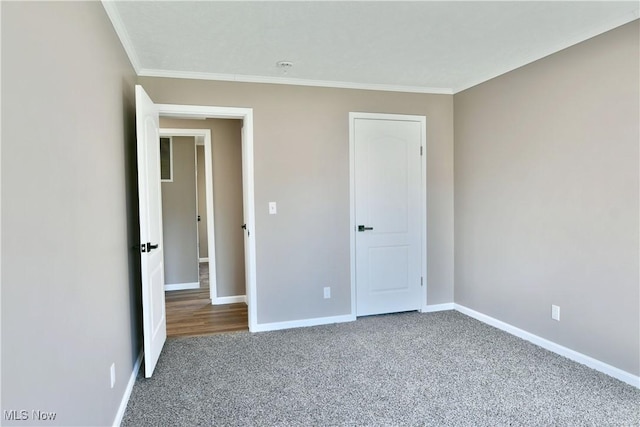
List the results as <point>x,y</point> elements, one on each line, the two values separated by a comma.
<point>301,148</point>
<point>226,156</point>
<point>546,161</point>
<point>179,225</point>
<point>70,278</point>
<point>203,244</point>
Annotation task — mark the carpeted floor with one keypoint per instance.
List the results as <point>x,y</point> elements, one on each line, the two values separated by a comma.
<point>438,369</point>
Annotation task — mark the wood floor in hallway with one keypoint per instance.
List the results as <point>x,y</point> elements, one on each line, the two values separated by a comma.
<point>190,312</point>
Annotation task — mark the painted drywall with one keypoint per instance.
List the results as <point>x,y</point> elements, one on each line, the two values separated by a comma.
<point>301,150</point>
<point>70,274</point>
<point>179,214</point>
<point>546,200</point>
<point>226,153</point>
<point>203,246</point>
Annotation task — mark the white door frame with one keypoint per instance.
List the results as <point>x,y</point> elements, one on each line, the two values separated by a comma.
<point>352,192</point>
<point>200,143</point>
<point>208,172</point>
<point>246,115</point>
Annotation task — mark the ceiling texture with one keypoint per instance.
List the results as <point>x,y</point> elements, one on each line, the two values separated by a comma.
<point>423,46</point>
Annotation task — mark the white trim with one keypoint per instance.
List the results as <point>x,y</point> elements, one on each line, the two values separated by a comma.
<point>437,307</point>
<point>205,259</point>
<point>211,221</point>
<point>352,192</point>
<point>246,115</point>
<point>352,212</point>
<point>229,300</point>
<point>555,348</point>
<point>178,111</point>
<point>248,210</point>
<point>181,286</point>
<point>127,391</point>
<point>550,50</point>
<point>197,218</point>
<point>276,326</point>
<point>146,72</point>
<point>121,31</point>
<point>1,182</point>
<point>208,172</point>
<point>423,166</point>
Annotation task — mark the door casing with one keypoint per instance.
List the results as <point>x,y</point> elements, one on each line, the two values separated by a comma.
<point>352,200</point>
<point>208,171</point>
<point>246,115</point>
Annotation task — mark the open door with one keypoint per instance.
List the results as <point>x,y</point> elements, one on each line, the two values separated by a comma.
<point>151,246</point>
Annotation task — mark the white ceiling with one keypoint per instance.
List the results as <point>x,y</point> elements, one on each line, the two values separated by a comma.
<point>438,47</point>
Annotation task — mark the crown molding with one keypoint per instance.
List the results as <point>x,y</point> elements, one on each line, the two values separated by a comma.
<point>121,31</point>
<point>291,81</point>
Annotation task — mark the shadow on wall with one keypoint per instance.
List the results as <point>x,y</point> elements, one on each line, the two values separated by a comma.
<point>133,219</point>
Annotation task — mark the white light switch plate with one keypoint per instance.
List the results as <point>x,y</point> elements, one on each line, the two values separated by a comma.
<point>273,208</point>
<point>113,374</point>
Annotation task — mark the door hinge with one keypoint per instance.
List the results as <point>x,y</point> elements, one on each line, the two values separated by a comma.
<point>421,150</point>
<point>421,281</point>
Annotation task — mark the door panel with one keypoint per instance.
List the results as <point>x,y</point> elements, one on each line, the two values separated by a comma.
<point>388,200</point>
<point>157,300</point>
<point>387,183</point>
<point>151,242</point>
<point>388,269</point>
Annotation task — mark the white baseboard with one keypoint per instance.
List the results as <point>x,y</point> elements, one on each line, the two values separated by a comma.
<point>229,300</point>
<point>437,307</point>
<point>206,259</point>
<point>551,346</point>
<point>127,392</point>
<point>181,286</point>
<point>276,326</point>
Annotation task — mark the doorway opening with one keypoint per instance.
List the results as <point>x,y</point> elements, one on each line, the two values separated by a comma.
<point>202,225</point>
<point>180,202</point>
<point>245,116</point>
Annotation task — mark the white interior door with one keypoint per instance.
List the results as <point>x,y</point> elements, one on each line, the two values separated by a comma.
<point>388,214</point>
<point>151,254</point>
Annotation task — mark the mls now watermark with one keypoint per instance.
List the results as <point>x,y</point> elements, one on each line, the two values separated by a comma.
<point>33,415</point>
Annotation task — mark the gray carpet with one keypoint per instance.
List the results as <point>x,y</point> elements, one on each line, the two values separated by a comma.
<point>438,369</point>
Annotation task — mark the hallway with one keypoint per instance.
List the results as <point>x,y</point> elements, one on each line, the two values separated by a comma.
<point>190,312</point>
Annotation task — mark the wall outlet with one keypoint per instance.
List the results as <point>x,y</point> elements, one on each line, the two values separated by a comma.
<point>555,312</point>
<point>327,292</point>
<point>113,374</point>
